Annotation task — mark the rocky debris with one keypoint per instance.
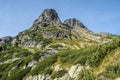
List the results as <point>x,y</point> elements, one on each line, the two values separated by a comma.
<point>48,17</point>
<point>32,63</point>
<point>57,68</point>
<point>52,51</point>
<point>73,22</point>
<point>74,70</point>
<point>39,77</point>
<point>32,44</point>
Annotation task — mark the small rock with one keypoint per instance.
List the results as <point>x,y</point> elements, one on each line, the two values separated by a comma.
<point>102,78</point>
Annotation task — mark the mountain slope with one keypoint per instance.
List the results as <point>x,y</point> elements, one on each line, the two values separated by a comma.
<point>52,50</point>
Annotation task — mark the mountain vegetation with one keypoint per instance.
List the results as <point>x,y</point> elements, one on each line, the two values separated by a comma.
<point>55,50</point>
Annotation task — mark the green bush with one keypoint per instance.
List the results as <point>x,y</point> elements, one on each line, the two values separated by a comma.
<point>46,41</point>
<point>5,68</point>
<point>23,53</point>
<point>3,76</point>
<point>12,51</point>
<point>56,46</point>
<point>24,61</point>
<point>47,71</point>
<point>36,56</point>
<point>112,71</point>
<point>18,74</point>
<point>68,56</point>
<point>93,56</point>
<point>86,75</point>
<point>46,63</point>
<point>59,74</point>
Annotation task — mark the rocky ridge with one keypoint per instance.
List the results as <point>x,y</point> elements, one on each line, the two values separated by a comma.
<point>48,25</point>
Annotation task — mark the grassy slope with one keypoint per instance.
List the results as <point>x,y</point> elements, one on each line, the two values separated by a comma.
<point>109,59</point>
<point>97,57</point>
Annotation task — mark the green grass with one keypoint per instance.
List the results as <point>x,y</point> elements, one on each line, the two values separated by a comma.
<point>92,56</point>
<point>87,75</point>
<point>5,68</point>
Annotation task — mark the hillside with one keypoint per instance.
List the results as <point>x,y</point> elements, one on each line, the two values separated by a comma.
<point>55,50</point>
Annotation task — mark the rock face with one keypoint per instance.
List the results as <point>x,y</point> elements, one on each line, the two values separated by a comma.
<point>73,22</point>
<point>48,17</point>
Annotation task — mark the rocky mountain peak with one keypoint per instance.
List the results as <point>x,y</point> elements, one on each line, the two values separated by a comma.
<point>6,39</point>
<point>73,22</point>
<point>48,17</point>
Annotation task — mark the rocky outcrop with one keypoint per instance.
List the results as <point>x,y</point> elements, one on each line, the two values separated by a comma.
<point>72,74</point>
<point>74,70</point>
<point>73,22</point>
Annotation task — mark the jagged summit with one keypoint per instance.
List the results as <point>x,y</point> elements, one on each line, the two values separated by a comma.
<point>48,17</point>
<point>48,25</point>
<point>73,22</point>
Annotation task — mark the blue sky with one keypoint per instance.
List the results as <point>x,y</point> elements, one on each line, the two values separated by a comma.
<point>97,15</point>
